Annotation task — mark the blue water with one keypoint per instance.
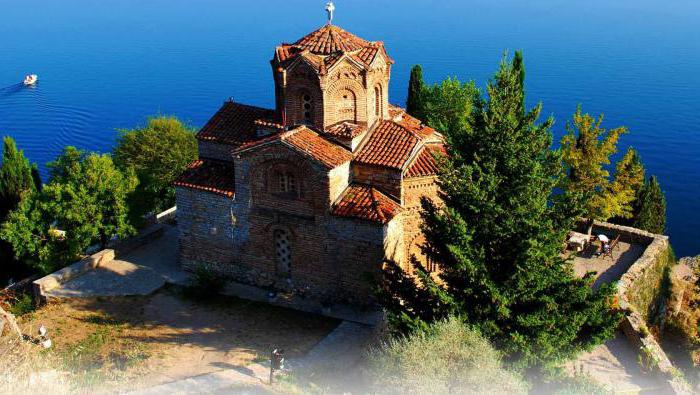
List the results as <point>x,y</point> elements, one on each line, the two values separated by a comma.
<point>110,64</point>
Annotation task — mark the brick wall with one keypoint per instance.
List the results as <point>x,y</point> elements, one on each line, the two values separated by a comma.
<point>414,189</point>
<point>385,179</point>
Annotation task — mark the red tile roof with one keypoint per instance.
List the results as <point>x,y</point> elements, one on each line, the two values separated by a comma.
<point>346,130</point>
<point>330,39</point>
<point>365,202</point>
<point>236,124</point>
<point>209,175</point>
<point>324,47</point>
<point>311,143</point>
<point>425,163</point>
<point>390,145</point>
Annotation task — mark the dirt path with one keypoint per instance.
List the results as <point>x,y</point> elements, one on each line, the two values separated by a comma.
<point>147,341</point>
<point>614,364</point>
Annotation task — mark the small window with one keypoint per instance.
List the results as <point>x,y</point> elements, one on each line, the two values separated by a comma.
<point>307,108</point>
<point>283,252</point>
<point>287,183</point>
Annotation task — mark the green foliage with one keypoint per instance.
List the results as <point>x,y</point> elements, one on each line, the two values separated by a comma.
<point>448,106</point>
<point>448,357</point>
<point>498,238</point>
<point>85,198</point>
<point>206,283</point>
<point>650,208</point>
<point>415,104</point>
<point>22,305</point>
<point>16,177</point>
<point>586,151</point>
<point>158,152</point>
<point>579,385</point>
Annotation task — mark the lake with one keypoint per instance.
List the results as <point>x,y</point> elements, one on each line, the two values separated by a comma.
<point>110,64</point>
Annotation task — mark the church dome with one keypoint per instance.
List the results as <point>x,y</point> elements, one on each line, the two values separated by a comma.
<point>331,39</point>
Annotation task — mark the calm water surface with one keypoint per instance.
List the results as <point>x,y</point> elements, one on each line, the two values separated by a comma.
<point>109,65</point>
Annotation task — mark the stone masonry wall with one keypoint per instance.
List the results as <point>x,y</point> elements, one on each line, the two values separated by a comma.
<point>637,289</point>
<point>212,150</point>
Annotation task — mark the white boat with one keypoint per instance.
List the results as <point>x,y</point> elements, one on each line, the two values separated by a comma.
<point>30,79</point>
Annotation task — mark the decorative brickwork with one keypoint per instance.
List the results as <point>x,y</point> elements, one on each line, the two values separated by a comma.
<point>313,196</point>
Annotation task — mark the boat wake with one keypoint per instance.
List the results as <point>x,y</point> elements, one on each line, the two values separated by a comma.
<point>11,89</point>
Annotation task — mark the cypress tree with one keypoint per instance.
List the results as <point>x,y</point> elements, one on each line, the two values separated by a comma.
<point>497,241</point>
<point>650,208</point>
<point>16,177</point>
<point>415,104</point>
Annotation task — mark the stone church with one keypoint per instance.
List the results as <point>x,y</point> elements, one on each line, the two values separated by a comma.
<point>314,195</point>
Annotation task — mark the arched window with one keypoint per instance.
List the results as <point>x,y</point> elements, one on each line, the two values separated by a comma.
<point>347,106</point>
<point>378,110</point>
<point>286,182</point>
<point>307,108</point>
<point>283,252</point>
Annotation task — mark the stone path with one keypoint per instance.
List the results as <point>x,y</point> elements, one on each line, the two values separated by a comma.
<point>139,272</point>
<point>614,364</point>
<point>114,278</point>
<point>223,381</point>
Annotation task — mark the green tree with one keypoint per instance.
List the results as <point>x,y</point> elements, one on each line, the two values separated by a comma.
<point>586,149</point>
<point>448,106</point>
<point>497,239</point>
<point>17,177</point>
<point>650,208</point>
<point>415,104</point>
<point>84,203</point>
<point>158,153</point>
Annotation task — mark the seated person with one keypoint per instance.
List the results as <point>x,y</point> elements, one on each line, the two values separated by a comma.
<point>604,244</point>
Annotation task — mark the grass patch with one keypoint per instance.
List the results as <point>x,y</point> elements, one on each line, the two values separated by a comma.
<point>23,304</point>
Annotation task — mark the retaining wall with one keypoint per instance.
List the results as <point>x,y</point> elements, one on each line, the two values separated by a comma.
<point>638,289</point>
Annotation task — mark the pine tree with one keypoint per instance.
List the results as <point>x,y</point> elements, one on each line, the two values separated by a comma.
<point>415,104</point>
<point>497,240</point>
<point>650,208</point>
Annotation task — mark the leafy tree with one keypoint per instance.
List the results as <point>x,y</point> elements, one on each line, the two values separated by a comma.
<point>650,208</point>
<point>497,239</point>
<point>158,152</point>
<point>415,104</point>
<point>85,198</point>
<point>448,106</point>
<point>587,148</point>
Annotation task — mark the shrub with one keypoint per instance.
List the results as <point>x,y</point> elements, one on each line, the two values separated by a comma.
<point>448,357</point>
<point>580,385</point>
<point>206,283</point>
<point>22,305</point>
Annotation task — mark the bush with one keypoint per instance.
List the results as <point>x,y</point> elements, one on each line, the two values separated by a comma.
<point>23,304</point>
<point>580,385</point>
<point>448,357</point>
<point>206,283</point>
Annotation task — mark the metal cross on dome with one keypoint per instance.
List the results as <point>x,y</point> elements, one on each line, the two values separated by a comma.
<point>330,8</point>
